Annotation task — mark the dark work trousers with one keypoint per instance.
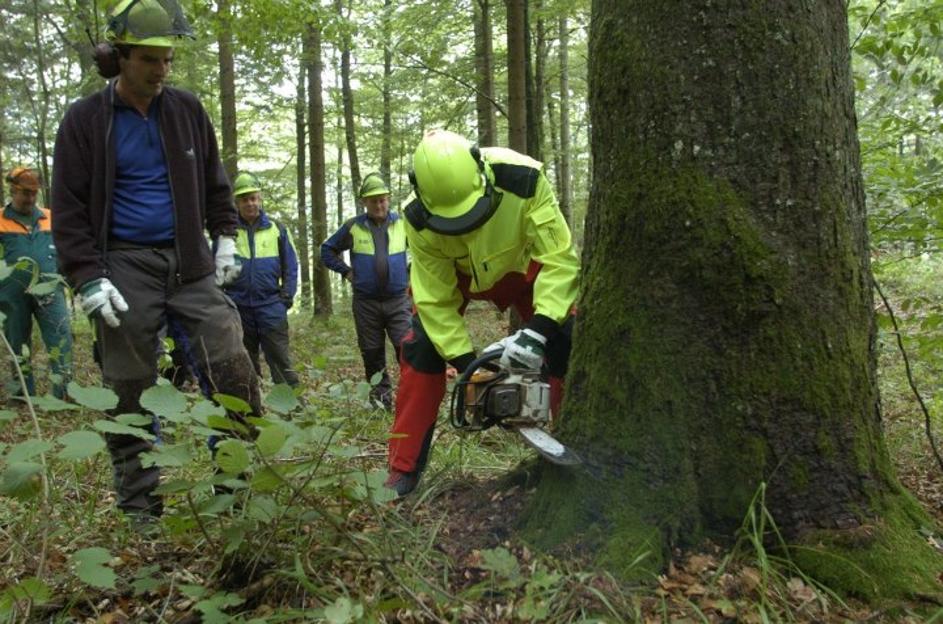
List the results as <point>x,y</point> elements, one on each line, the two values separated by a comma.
<point>146,278</point>
<point>273,340</point>
<point>375,320</point>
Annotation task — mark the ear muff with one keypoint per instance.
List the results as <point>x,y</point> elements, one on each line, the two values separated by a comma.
<point>421,217</point>
<point>105,56</point>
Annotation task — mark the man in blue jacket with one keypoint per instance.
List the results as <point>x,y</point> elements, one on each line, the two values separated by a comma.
<point>26,232</point>
<point>266,286</point>
<point>378,270</point>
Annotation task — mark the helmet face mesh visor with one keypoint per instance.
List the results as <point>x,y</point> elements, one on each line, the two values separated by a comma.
<point>144,19</point>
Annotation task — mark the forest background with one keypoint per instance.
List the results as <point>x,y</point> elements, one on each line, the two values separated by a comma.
<point>310,98</point>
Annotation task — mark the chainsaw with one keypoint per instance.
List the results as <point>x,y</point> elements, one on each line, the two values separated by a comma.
<point>487,394</point>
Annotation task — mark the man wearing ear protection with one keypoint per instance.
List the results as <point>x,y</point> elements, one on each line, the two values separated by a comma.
<point>137,180</point>
<point>484,224</point>
<point>33,289</point>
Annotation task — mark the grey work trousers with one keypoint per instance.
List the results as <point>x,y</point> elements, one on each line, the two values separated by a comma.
<point>274,344</point>
<point>147,279</point>
<point>375,320</point>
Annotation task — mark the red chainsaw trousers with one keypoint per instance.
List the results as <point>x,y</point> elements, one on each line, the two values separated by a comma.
<point>422,371</point>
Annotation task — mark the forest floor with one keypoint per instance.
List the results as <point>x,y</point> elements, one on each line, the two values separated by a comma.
<point>336,549</point>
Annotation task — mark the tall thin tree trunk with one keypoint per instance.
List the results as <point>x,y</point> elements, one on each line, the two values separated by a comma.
<point>563,182</point>
<point>386,148</point>
<point>303,239</point>
<point>484,71</point>
<point>555,148</point>
<point>43,118</point>
<point>322,282</point>
<point>349,117</point>
<point>339,193</point>
<point>517,75</point>
<point>535,61</point>
<point>227,89</point>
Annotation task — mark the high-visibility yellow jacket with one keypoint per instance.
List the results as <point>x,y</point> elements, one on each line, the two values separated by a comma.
<point>526,226</point>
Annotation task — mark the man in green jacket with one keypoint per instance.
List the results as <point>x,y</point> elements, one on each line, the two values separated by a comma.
<point>34,288</point>
<point>484,224</point>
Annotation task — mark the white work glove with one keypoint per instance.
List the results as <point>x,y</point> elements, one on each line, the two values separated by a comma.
<point>523,349</point>
<point>227,268</point>
<point>497,346</point>
<point>99,297</point>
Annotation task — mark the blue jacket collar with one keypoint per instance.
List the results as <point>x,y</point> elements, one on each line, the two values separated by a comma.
<point>262,223</point>
<point>391,217</point>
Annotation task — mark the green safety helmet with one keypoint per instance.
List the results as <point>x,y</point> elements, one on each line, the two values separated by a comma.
<point>147,23</point>
<point>373,185</point>
<point>452,184</point>
<point>246,183</point>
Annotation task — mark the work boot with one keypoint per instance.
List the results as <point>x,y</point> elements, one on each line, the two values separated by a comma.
<point>402,482</point>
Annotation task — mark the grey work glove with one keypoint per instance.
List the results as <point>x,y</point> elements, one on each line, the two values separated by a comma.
<point>227,267</point>
<point>99,297</point>
<point>524,349</point>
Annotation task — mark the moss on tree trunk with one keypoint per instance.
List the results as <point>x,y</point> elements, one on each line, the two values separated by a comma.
<point>725,335</point>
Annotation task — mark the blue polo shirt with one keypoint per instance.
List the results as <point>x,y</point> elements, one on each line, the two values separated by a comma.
<point>142,206</point>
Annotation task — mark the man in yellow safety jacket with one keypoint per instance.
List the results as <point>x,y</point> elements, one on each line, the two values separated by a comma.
<point>484,224</point>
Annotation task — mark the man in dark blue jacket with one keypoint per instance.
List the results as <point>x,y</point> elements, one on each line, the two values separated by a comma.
<point>378,270</point>
<point>266,286</point>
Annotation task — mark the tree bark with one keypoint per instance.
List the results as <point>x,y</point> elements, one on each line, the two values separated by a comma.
<point>535,63</point>
<point>348,98</point>
<point>484,71</point>
<point>726,336</point>
<point>42,121</point>
<point>386,146</point>
<point>322,282</point>
<point>227,89</point>
<point>300,176</point>
<point>565,194</point>
<point>517,75</point>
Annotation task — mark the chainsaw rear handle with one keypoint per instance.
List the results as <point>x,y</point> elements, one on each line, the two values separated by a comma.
<point>457,411</point>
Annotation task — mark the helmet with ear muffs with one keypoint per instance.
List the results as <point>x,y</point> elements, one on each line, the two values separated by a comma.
<point>452,184</point>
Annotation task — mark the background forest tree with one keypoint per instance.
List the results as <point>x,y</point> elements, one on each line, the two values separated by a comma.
<point>390,72</point>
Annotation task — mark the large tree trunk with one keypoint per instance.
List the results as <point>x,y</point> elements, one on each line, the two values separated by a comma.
<point>726,334</point>
<point>517,74</point>
<point>227,90</point>
<point>300,176</point>
<point>322,282</point>
<point>564,193</point>
<point>484,72</point>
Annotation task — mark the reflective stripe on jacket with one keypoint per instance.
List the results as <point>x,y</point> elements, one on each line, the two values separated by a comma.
<point>526,226</point>
<point>356,235</point>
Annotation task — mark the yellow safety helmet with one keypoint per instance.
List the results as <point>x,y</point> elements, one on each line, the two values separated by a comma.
<point>147,23</point>
<point>452,184</point>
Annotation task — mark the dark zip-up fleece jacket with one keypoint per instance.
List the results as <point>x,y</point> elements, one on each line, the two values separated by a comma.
<point>84,176</point>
